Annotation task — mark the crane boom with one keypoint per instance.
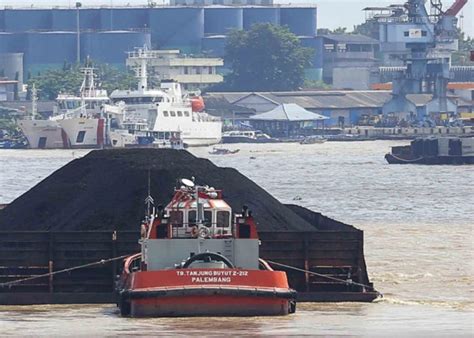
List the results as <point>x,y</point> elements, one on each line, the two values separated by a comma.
<point>456,7</point>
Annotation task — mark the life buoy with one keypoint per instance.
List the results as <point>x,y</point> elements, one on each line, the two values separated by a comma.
<point>197,104</point>
<point>208,255</point>
<point>203,232</point>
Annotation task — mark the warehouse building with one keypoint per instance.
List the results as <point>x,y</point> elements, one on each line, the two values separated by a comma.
<point>343,108</point>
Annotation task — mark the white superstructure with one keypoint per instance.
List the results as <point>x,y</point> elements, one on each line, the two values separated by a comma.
<point>166,110</point>
<point>40,133</point>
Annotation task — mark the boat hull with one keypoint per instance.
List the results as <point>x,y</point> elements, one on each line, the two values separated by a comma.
<point>206,292</point>
<point>43,134</point>
<point>201,142</point>
<point>237,139</point>
<point>210,301</point>
<point>431,160</point>
<point>84,132</point>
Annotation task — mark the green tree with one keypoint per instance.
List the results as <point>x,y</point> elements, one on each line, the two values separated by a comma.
<point>326,31</point>
<point>68,79</point>
<point>369,28</point>
<point>462,55</point>
<point>265,58</point>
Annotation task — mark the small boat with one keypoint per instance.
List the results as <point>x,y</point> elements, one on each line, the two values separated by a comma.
<point>247,136</point>
<point>432,150</point>
<point>313,140</point>
<point>13,144</point>
<point>223,151</point>
<point>167,108</point>
<point>200,259</point>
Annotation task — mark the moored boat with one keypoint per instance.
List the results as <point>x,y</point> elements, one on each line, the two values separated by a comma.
<point>77,121</point>
<point>166,109</point>
<point>223,151</point>
<point>199,259</point>
<point>313,139</point>
<point>443,150</point>
<point>247,136</point>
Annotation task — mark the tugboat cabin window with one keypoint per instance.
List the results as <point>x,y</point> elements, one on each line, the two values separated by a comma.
<point>180,113</point>
<point>186,113</point>
<point>207,218</point>
<point>80,136</point>
<point>165,113</point>
<point>172,113</point>
<point>176,218</point>
<point>223,219</point>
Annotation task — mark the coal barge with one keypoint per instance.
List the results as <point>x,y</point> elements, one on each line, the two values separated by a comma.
<point>434,150</point>
<point>85,215</point>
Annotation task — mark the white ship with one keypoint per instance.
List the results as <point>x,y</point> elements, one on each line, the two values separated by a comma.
<point>77,121</point>
<point>163,112</point>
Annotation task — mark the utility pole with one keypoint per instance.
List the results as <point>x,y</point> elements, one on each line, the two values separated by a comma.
<point>78,42</point>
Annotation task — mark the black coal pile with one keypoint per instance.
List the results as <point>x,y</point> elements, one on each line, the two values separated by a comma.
<point>105,190</point>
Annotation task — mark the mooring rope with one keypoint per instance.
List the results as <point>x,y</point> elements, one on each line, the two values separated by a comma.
<point>325,276</point>
<point>102,261</point>
<point>407,161</point>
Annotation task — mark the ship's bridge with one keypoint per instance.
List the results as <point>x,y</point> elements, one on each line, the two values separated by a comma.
<point>187,215</point>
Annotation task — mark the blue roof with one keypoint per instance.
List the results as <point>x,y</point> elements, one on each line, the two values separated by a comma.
<point>288,112</point>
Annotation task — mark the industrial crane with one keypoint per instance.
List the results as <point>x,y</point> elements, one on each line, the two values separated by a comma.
<point>422,34</point>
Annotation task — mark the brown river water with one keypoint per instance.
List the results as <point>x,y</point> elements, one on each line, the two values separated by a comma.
<point>418,224</point>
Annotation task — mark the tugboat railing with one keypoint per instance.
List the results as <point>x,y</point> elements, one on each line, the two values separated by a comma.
<point>189,230</point>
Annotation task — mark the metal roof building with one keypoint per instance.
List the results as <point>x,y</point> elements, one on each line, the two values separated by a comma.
<point>290,112</point>
<point>287,120</point>
<point>348,105</point>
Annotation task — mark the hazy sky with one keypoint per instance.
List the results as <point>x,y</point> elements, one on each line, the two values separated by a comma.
<point>331,13</point>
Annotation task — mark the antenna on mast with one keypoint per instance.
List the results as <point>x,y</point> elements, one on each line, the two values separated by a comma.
<point>34,102</point>
<point>149,200</point>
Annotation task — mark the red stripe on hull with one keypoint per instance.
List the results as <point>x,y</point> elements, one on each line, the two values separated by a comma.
<point>100,133</point>
<point>209,306</point>
<point>196,277</point>
<point>65,138</point>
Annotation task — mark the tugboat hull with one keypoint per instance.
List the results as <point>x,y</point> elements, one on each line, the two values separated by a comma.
<point>188,292</point>
<point>204,303</point>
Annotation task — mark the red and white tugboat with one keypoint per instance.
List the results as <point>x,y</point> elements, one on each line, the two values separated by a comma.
<point>198,259</point>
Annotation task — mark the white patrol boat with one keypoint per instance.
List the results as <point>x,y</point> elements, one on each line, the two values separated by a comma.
<point>77,121</point>
<point>166,110</point>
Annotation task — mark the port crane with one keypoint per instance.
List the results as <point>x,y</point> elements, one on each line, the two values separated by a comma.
<point>426,35</point>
